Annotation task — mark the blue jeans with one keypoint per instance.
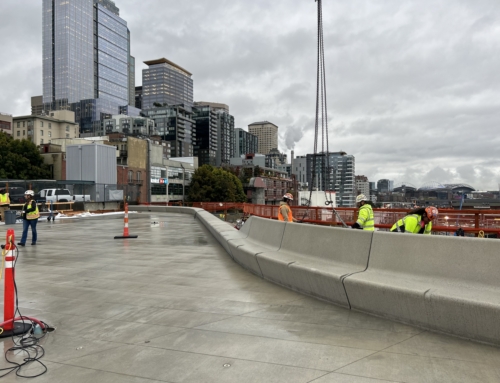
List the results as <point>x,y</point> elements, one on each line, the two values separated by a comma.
<point>26,224</point>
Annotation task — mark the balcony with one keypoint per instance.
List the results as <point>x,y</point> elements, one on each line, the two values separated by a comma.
<point>123,153</point>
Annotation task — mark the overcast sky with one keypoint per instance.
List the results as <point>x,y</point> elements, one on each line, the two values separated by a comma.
<point>413,86</point>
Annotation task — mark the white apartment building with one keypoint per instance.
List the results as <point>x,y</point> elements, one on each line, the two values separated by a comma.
<point>42,129</point>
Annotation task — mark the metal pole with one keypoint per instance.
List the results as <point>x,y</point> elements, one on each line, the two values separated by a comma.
<point>183,182</point>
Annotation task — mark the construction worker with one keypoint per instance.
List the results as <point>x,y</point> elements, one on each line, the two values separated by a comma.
<point>365,214</point>
<point>417,221</point>
<point>4,203</point>
<point>285,212</point>
<point>30,215</point>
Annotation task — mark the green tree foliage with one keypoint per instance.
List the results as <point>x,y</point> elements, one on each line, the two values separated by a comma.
<point>210,184</point>
<point>20,159</point>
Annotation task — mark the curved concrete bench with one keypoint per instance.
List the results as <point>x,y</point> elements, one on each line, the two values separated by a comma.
<point>447,284</point>
<point>443,283</point>
<point>315,260</point>
<point>263,235</point>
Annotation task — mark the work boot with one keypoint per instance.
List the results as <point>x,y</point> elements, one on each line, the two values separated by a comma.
<point>20,244</point>
<point>33,243</point>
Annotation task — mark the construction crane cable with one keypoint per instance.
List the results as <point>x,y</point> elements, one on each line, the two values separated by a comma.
<point>321,103</point>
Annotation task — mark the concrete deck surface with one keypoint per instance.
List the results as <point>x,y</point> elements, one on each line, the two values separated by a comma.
<point>171,306</point>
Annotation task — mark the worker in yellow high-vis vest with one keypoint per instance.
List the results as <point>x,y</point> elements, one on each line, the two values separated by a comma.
<point>365,220</point>
<point>417,221</point>
<point>30,216</point>
<point>4,203</point>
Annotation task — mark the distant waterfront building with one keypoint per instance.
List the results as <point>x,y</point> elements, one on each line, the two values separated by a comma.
<point>267,134</point>
<point>245,142</point>
<point>385,185</point>
<point>87,66</point>
<point>166,83</point>
<point>42,129</point>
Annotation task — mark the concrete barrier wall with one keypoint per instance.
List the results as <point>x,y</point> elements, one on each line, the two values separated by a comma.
<point>447,284</point>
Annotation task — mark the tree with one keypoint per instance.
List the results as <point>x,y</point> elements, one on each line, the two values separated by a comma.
<point>20,159</point>
<point>210,184</point>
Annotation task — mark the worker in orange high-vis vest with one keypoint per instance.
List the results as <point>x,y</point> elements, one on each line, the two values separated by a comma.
<point>285,211</point>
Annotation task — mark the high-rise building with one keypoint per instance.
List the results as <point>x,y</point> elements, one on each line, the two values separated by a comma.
<point>174,123</point>
<point>225,141</point>
<point>245,142</point>
<point>37,105</point>
<point>363,185</point>
<point>267,134</point>
<point>166,83</point>
<point>87,65</point>
<point>138,97</point>
<point>334,172</point>
<point>275,158</point>
<point>205,147</point>
<point>214,133</point>
<point>385,185</point>
<point>299,169</point>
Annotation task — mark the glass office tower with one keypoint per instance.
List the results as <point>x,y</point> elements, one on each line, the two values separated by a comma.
<point>166,83</point>
<point>68,51</point>
<point>86,59</point>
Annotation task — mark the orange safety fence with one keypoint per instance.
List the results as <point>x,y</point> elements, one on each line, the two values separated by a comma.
<point>449,220</point>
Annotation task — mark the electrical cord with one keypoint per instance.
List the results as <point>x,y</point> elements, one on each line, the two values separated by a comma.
<point>27,344</point>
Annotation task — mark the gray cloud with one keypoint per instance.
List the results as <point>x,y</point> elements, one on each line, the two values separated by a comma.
<point>413,87</point>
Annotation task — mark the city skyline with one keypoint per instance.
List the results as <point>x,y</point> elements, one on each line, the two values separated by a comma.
<point>412,87</point>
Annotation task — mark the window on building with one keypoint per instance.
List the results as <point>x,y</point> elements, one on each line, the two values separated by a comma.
<point>67,135</point>
<point>41,141</point>
<point>138,177</point>
<point>50,125</point>
<point>23,124</point>
<point>130,176</point>
<point>24,132</point>
<point>67,128</point>
<point>18,124</point>
<point>41,124</point>
<point>18,133</point>
<point>49,133</point>
<point>41,132</point>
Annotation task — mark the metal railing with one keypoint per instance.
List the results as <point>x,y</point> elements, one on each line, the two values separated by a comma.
<point>472,221</point>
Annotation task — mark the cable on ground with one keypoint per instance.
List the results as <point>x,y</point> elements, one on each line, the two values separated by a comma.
<point>27,343</point>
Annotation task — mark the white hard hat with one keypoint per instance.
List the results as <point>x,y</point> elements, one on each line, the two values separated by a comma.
<point>29,192</point>
<point>360,198</point>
